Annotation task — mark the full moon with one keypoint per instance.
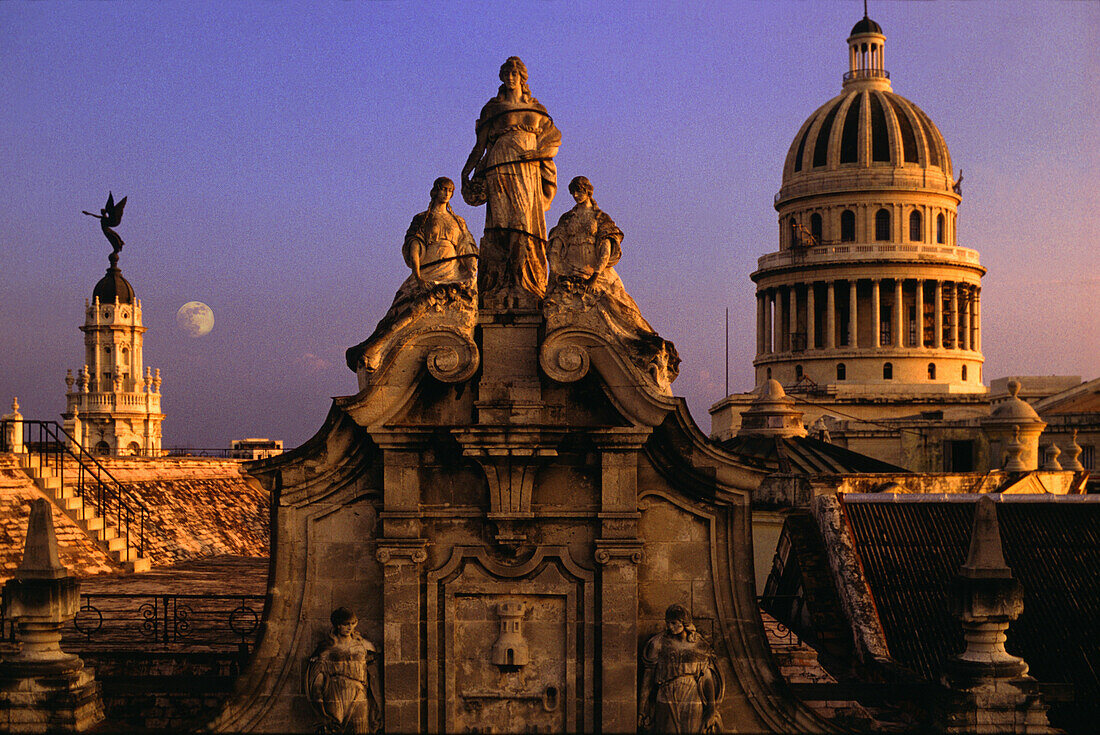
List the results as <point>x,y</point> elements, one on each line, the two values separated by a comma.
<point>195,318</point>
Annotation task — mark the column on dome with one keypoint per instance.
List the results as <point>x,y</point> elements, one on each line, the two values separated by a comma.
<point>899,314</point>
<point>853,315</point>
<point>830,315</point>
<point>759,323</point>
<point>978,319</point>
<point>937,336</point>
<point>966,317</point>
<point>955,315</point>
<point>811,317</point>
<point>876,314</point>
<point>792,315</point>
<point>768,321</point>
<point>918,307</point>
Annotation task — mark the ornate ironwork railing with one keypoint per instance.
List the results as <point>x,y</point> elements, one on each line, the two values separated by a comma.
<point>786,610</point>
<point>165,621</point>
<point>48,446</point>
<point>866,74</point>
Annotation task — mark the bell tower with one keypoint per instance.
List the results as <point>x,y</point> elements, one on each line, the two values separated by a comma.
<point>110,406</point>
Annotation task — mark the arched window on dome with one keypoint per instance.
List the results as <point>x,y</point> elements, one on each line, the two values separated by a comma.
<point>841,371</point>
<point>916,231</point>
<point>931,371</point>
<point>939,228</point>
<point>882,225</point>
<point>769,373</point>
<point>797,372</point>
<point>792,228</point>
<point>964,372</point>
<point>102,448</point>
<point>815,227</point>
<point>847,226</point>
<point>888,371</point>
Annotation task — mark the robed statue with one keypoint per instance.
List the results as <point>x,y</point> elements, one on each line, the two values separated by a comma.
<point>513,174</point>
<point>443,260</point>
<point>340,679</point>
<point>110,217</point>
<point>681,683</point>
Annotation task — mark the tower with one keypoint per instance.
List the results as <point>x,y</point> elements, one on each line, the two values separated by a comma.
<point>110,407</point>
<point>869,302</point>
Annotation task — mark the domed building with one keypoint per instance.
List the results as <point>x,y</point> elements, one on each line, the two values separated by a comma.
<point>110,407</point>
<point>870,306</point>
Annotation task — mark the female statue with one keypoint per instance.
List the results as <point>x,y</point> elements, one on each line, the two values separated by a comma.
<point>514,174</point>
<point>338,678</point>
<point>681,686</point>
<point>441,253</point>
<point>584,247</point>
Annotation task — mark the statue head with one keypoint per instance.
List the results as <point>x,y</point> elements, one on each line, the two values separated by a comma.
<point>343,621</point>
<point>581,184</point>
<point>440,184</point>
<point>678,620</point>
<point>514,63</point>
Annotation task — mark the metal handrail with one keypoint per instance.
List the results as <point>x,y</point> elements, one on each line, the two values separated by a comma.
<point>52,444</point>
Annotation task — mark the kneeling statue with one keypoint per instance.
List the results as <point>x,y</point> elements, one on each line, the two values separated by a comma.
<point>442,255</point>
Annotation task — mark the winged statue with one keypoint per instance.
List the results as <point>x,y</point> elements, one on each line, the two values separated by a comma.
<point>109,217</point>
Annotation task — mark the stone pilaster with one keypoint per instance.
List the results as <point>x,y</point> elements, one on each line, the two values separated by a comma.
<point>401,662</point>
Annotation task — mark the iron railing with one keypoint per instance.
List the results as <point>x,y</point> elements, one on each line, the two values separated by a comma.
<point>866,74</point>
<point>48,446</point>
<point>165,621</point>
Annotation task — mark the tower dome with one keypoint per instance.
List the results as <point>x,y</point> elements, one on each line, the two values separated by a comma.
<point>869,295</point>
<point>113,286</point>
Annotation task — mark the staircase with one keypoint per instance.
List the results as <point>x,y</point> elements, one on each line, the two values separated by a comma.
<point>87,493</point>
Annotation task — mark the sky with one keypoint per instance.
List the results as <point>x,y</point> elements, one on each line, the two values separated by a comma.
<point>274,153</point>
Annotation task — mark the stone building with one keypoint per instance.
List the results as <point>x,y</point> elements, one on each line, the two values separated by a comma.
<point>869,313</point>
<point>111,407</point>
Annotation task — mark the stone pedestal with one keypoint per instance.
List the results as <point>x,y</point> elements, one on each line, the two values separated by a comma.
<point>42,688</point>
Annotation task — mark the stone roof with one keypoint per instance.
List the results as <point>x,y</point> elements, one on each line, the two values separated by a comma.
<point>910,552</point>
<point>865,25</point>
<point>79,553</point>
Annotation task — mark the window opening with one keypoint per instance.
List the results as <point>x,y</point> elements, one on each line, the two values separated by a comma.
<point>882,225</point>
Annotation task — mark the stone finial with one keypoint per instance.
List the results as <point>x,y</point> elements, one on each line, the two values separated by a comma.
<point>156,381</point>
<point>40,558</point>
<point>69,380</point>
<point>14,415</point>
<point>772,413</point>
<point>1073,455</point>
<point>82,380</point>
<point>985,559</point>
<point>1050,458</point>
<point>1014,388</point>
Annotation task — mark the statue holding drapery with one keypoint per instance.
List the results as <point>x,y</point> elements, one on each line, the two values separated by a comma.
<point>511,170</point>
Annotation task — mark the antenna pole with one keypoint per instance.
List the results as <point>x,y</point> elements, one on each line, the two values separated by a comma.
<point>727,350</point>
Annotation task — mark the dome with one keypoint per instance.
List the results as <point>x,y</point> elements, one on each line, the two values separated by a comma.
<point>866,26</point>
<point>113,286</point>
<point>1014,409</point>
<point>864,127</point>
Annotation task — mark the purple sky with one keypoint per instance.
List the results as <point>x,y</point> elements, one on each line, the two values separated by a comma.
<point>274,153</point>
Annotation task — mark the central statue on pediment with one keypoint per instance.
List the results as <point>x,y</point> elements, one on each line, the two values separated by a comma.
<point>511,170</point>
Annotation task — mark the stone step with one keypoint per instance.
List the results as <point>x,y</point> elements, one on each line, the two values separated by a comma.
<point>118,544</point>
<point>140,564</point>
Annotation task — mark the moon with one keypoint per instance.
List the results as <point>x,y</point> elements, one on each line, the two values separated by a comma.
<point>195,318</point>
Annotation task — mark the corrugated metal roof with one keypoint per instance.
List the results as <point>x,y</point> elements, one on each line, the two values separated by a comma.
<point>912,551</point>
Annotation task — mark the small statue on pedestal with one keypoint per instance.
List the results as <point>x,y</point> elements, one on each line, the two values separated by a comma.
<point>681,686</point>
<point>442,255</point>
<point>339,681</point>
<point>584,247</point>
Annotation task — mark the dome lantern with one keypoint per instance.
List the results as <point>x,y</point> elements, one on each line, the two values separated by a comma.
<point>867,55</point>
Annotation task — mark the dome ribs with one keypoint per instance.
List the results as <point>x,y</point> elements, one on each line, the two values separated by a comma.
<point>910,153</point>
<point>880,135</point>
<point>849,139</point>
<point>821,147</point>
